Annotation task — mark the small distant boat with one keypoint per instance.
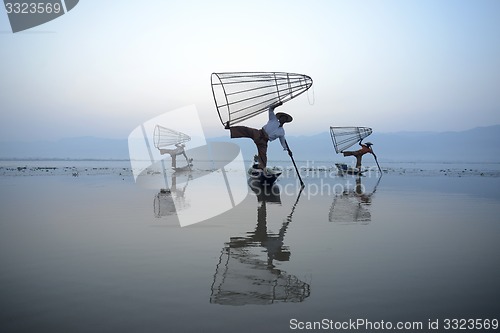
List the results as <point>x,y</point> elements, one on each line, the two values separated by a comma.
<point>345,169</point>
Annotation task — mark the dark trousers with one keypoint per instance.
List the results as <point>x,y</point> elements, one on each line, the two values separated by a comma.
<point>356,154</point>
<point>258,136</point>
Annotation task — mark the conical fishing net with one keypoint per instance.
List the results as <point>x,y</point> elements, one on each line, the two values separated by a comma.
<point>241,95</point>
<point>164,137</point>
<point>345,137</point>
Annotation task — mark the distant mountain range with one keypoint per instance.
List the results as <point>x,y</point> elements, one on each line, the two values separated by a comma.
<point>480,144</point>
<point>68,148</point>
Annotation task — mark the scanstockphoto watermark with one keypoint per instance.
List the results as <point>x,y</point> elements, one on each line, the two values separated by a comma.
<point>354,324</point>
<point>319,180</point>
<point>322,187</point>
<point>313,169</point>
<point>26,14</point>
<point>196,179</point>
<point>447,324</point>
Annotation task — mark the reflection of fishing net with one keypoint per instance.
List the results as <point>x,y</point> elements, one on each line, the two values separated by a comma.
<point>345,137</point>
<point>163,204</point>
<point>243,278</point>
<point>349,209</point>
<point>353,206</point>
<point>164,137</point>
<point>241,95</point>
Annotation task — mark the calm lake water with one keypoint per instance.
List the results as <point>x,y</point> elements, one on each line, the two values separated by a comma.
<point>91,251</point>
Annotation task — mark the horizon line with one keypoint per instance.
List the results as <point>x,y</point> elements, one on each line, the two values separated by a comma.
<point>212,137</point>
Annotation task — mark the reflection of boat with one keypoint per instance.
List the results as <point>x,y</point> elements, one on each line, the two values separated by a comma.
<point>267,177</point>
<point>187,167</point>
<point>345,169</point>
<point>246,274</point>
<point>169,201</point>
<point>265,193</point>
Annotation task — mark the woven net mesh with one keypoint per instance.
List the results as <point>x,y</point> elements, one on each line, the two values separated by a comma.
<point>164,137</point>
<point>241,95</point>
<point>345,137</point>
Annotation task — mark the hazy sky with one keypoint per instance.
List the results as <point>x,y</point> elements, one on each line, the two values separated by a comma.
<point>107,66</point>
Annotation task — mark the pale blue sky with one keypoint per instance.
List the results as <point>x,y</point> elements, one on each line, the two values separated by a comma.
<point>107,66</point>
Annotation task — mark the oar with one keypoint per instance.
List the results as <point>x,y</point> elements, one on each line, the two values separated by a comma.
<point>296,169</point>
<point>379,169</point>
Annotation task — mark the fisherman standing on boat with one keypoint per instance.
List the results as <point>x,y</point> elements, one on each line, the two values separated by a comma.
<point>271,131</point>
<point>179,150</point>
<point>365,149</point>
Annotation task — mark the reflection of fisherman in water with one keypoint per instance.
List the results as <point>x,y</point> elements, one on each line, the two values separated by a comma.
<point>179,150</point>
<point>243,276</point>
<point>169,201</point>
<point>353,205</point>
<point>364,197</point>
<point>272,242</point>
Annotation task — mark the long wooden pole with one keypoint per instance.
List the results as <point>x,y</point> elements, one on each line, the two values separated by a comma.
<point>295,165</point>
<point>379,169</point>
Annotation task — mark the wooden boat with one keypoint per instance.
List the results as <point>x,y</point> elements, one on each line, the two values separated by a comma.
<point>345,169</point>
<point>183,168</point>
<point>258,176</point>
<point>266,178</point>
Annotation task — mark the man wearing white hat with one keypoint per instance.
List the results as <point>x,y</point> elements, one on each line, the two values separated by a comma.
<point>271,131</point>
